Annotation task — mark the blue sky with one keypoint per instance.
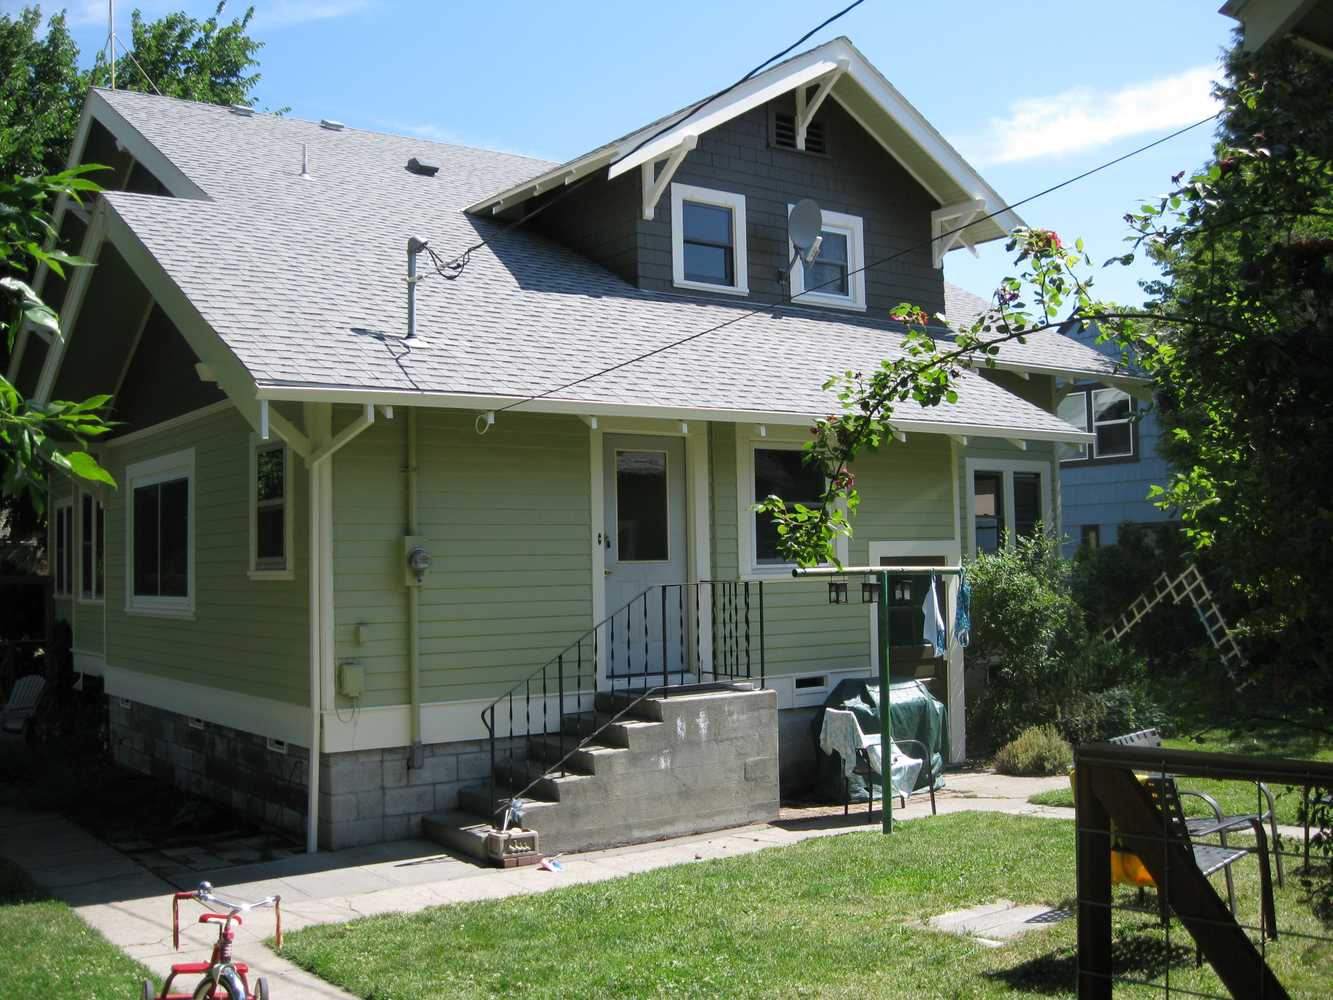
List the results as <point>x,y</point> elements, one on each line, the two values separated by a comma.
<point>1030,92</point>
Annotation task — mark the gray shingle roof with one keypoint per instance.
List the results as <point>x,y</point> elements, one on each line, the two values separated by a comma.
<point>303,281</point>
<point>1047,350</point>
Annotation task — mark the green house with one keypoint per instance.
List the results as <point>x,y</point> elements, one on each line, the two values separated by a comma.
<point>432,554</point>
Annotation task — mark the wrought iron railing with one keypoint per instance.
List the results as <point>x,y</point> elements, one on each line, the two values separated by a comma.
<point>669,636</point>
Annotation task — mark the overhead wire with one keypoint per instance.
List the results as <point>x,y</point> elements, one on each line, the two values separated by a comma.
<point>453,267</point>
<point>672,345</point>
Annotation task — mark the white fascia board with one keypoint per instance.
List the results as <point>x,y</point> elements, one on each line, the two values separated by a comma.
<point>583,409</point>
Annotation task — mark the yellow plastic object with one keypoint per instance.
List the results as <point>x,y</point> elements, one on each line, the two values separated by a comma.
<point>1126,868</point>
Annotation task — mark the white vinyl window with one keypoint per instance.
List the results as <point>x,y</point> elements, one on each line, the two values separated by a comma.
<point>836,277</point>
<point>270,511</point>
<point>1107,413</point>
<point>92,548</point>
<point>62,547</point>
<point>1007,499</point>
<point>159,530</point>
<point>708,240</point>
<point>773,468</point>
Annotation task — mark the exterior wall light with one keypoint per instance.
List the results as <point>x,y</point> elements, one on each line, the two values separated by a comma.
<point>869,591</point>
<point>837,592</point>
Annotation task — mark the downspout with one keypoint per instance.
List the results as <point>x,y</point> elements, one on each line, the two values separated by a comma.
<point>321,529</point>
<point>415,759</point>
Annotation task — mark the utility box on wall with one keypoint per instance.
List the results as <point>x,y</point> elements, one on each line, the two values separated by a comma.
<point>351,680</point>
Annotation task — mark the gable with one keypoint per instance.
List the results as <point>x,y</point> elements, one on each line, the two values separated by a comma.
<point>160,380</point>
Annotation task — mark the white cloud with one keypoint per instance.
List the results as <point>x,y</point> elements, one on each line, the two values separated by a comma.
<point>268,13</point>
<point>438,133</point>
<point>281,13</point>
<point>1083,119</point>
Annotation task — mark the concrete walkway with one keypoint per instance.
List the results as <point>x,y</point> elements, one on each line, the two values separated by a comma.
<point>132,907</point>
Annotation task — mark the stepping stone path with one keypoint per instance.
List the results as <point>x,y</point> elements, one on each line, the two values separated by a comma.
<point>994,923</point>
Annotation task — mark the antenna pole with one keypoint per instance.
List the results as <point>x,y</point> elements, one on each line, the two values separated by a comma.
<point>111,39</point>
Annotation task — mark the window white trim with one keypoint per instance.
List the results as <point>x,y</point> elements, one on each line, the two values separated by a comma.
<point>853,228</point>
<point>270,571</point>
<point>746,521</point>
<point>164,468</point>
<point>1006,467</point>
<point>63,509</point>
<point>681,193</point>
<point>91,596</point>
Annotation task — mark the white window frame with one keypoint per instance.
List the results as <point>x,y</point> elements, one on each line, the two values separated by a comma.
<point>164,468</point>
<point>747,520</point>
<point>256,571</point>
<point>681,193</point>
<point>63,507</point>
<point>853,228</point>
<point>1006,467</point>
<point>1094,423</point>
<point>92,596</point>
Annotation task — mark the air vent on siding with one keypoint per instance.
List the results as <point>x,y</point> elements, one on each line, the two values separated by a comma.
<point>784,134</point>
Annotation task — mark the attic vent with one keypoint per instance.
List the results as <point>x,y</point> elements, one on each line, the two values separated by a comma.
<point>330,124</point>
<point>422,167</point>
<point>242,110</point>
<point>784,134</point>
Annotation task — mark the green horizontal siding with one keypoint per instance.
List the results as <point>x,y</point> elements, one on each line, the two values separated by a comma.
<point>506,516</point>
<point>247,636</point>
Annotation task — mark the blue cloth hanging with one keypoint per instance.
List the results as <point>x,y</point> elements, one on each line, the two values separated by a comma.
<point>962,616</point>
<point>933,630</point>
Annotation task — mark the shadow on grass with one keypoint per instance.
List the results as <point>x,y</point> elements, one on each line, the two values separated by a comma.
<point>1139,957</point>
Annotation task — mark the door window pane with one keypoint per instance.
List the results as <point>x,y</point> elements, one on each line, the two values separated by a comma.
<point>1027,502</point>
<point>642,533</point>
<point>708,244</point>
<point>782,472</point>
<point>1073,409</point>
<point>988,512</point>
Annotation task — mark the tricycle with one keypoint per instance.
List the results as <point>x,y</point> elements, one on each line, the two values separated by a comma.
<point>222,977</point>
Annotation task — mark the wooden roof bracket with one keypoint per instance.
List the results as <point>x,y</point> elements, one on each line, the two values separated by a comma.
<point>947,224</point>
<point>655,181</point>
<point>806,107</point>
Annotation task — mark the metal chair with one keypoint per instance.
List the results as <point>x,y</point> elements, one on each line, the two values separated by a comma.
<point>866,769</point>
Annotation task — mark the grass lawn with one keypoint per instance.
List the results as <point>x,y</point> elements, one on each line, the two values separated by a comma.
<point>47,951</point>
<point>1233,796</point>
<point>830,917</point>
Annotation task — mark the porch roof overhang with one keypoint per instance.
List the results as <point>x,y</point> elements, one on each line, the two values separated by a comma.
<point>597,408</point>
<point>852,81</point>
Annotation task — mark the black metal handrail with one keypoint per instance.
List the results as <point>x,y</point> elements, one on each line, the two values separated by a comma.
<point>710,631</point>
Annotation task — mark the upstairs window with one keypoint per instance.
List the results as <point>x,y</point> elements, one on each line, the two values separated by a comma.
<point>92,548</point>
<point>270,517</point>
<point>708,239</point>
<point>836,277</point>
<point>161,534</point>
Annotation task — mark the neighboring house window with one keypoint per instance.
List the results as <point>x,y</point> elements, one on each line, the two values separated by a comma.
<point>1008,499</point>
<point>1091,536</point>
<point>270,518</point>
<point>708,239</point>
<point>160,534</point>
<point>92,548</point>
<point>837,276</point>
<point>1107,413</point>
<point>62,567</point>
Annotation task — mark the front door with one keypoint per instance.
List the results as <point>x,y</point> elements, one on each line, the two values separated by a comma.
<point>645,543</point>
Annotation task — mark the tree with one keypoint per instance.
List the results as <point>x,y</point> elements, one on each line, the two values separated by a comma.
<point>41,93</point>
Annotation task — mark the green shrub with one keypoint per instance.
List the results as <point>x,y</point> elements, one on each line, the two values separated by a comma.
<point>1038,751</point>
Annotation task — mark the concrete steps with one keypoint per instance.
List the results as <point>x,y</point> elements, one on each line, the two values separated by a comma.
<point>698,760</point>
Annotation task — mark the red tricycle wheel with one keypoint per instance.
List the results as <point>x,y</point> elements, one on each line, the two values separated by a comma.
<point>261,989</point>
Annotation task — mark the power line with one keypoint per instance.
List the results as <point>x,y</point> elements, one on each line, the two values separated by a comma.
<point>452,268</point>
<point>876,263</point>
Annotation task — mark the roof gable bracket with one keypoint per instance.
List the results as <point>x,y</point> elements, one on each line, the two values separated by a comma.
<point>947,225</point>
<point>655,181</point>
<point>807,106</point>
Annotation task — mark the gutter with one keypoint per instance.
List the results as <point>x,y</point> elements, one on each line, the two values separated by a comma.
<point>321,599</point>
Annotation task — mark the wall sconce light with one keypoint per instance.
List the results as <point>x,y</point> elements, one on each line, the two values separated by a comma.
<point>837,592</point>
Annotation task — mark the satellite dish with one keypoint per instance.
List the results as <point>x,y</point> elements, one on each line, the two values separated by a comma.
<point>804,225</point>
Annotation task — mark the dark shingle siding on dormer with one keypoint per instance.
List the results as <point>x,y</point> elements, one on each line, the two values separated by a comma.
<point>599,220</point>
<point>857,177</point>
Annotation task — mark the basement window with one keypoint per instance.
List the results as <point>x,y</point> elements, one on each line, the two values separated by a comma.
<point>708,240</point>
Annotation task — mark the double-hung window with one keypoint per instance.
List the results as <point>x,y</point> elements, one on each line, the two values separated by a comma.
<point>772,468</point>
<point>1108,414</point>
<point>160,534</point>
<point>62,547</point>
<point>1008,499</point>
<point>270,511</point>
<point>92,548</point>
<point>836,277</point>
<point>708,248</point>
